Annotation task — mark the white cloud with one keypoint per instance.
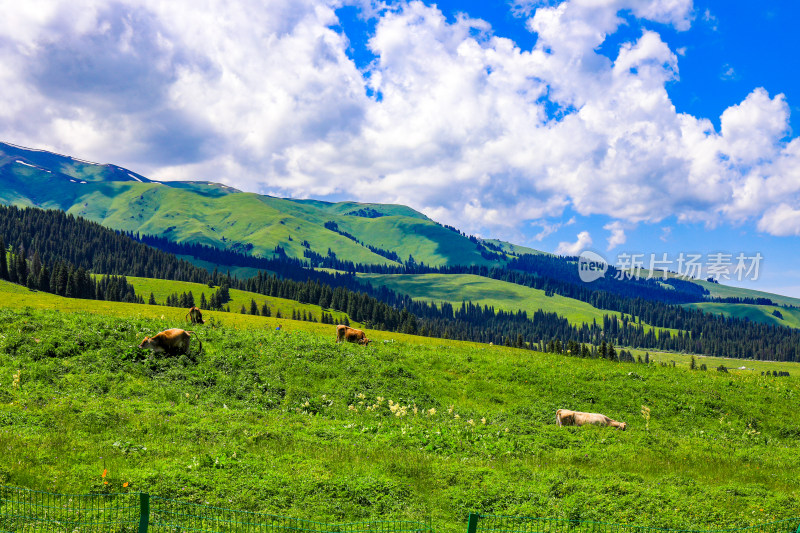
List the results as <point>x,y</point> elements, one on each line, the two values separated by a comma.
<point>617,236</point>
<point>783,220</point>
<point>448,118</point>
<point>575,248</point>
<point>548,228</point>
<point>728,73</point>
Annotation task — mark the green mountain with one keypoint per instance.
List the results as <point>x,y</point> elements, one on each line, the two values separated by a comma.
<point>220,216</point>
<point>216,215</point>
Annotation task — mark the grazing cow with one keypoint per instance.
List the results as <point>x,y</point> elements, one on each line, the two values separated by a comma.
<point>195,315</point>
<point>170,341</point>
<point>351,335</point>
<point>565,417</point>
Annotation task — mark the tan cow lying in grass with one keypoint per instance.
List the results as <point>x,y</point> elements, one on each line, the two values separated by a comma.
<point>171,341</point>
<point>351,335</point>
<point>565,417</point>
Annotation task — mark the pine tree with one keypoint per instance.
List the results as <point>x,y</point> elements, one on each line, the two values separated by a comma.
<point>203,301</point>
<point>152,300</point>
<point>265,310</point>
<point>253,307</point>
<point>36,267</point>
<point>693,364</point>
<point>21,266</point>
<point>3,259</point>
<point>44,279</point>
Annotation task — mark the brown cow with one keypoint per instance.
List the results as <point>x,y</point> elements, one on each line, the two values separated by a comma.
<point>195,315</point>
<point>565,417</point>
<point>171,341</point>
<point>351,335</point>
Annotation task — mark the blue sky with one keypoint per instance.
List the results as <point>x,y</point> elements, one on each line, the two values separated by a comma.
<point>622,126</point>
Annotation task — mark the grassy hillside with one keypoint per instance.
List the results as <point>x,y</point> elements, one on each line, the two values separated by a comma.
<point>290,423</point>
<point>217,215</point>
<point>15,296</point>
<point>456,288</point>
<point>756,313</point>
<point>726,291</point>
<point>162,288</point>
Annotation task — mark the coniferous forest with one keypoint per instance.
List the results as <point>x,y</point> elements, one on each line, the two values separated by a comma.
<point>55,252</point>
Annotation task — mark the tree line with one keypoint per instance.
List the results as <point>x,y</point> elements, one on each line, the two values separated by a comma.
<point>37,233</point>
<point>63,279</point>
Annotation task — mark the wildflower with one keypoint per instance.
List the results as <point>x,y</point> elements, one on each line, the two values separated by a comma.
<point>324,396</point>
<point>432,411</point>
<point>361,396</point>
<point>483,420</point>
<point>471,422</point>
<point>17,378</point>
<point>125,484</point>
<point>380,399</point>
<point>456,416</point>
<point>450,409</point>
<point>105,471</point>
<point>187,395</point>
<point>415,409</point>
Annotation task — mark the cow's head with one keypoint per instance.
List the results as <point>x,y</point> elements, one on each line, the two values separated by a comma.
<point>623,426</point>
<point>365,341</point>
<point>145,343</point>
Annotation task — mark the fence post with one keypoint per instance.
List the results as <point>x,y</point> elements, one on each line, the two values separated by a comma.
<point>472,524</point>
<point>144,512</point>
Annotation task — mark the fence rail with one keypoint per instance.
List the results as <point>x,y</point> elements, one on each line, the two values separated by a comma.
<point>25,510</point>
<point>481,523</point>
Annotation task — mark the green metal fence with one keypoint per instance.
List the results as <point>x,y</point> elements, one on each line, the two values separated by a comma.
<point>24,510</point>
<point>480,523</point>
<point>35,511</point>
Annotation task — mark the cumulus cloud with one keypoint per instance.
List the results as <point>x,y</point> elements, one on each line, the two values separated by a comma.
<point>783,220</point>
<point>575,248</point>
<point>448,118</point>
<point>617,236</point>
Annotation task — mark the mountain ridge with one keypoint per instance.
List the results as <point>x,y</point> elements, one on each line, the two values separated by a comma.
<point>216,214</point>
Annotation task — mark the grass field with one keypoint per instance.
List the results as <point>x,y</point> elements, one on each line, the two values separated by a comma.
<point>755,313</point>
<point>15,296</point>
<point>288,422</point>
<point>725,291</point>
<point>456,288</point>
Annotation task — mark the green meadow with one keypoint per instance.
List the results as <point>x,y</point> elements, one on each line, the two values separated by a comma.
<point>290,423</point>
<point>457,288</point>
<point>756,313</point>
